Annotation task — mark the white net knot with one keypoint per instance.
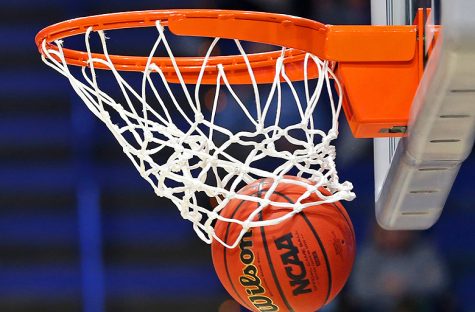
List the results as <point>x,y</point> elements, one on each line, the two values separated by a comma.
<point>332,135</point>
<point>259,128</point>
<point>265,203</point>
<point>298,207</point>
<point>193,216</point>
<point>246,225</point>
<point>199,117</point>
<point>230,195</point>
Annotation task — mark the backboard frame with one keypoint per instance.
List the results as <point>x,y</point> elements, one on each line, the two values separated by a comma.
<point>414,175</point>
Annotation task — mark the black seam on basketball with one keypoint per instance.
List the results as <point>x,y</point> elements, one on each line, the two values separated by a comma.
<point>319,241</point>
<point>269,260</point>
<point>325,256</point>
<point>225,251</point>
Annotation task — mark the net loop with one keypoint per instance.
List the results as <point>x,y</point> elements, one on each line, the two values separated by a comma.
<point>188,152</point>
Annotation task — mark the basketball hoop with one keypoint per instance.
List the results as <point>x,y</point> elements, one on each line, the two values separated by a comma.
<point>196,162</point>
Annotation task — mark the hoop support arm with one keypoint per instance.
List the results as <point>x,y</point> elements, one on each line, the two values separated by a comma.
<point>329,42</point>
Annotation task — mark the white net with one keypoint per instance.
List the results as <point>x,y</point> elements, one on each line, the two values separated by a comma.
<point>185,152</point>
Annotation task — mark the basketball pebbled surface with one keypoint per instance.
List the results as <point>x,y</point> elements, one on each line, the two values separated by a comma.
<point>298,265</point>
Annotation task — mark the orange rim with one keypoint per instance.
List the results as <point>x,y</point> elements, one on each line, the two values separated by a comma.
<point>334,43</point>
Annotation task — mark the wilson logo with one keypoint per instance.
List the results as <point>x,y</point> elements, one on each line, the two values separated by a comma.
<point>294,267</point>
<point>250,279</point>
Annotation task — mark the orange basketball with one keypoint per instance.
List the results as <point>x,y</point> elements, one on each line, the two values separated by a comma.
<point>298,265</point>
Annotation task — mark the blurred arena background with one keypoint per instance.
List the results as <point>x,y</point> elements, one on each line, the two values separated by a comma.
<point>81,231</point>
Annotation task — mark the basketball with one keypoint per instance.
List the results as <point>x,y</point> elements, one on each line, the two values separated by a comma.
<point>299,264</point>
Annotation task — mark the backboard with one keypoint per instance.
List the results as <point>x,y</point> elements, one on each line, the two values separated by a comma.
<point>414,175</point>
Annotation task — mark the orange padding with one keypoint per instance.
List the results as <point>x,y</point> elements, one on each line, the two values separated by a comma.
<point>379,66</point>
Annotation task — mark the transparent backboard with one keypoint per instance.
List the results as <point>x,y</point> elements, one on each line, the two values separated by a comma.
<point>414,175</point>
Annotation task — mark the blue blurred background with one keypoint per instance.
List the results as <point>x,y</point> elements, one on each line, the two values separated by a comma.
<point>81,231</point>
